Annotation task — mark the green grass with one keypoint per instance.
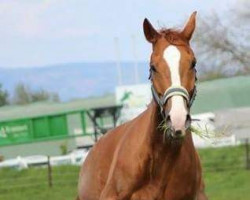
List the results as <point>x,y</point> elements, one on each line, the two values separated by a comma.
<point>32,184</point>
<point>218,159</point>
<point>228,185</point>
<point>224,173</point>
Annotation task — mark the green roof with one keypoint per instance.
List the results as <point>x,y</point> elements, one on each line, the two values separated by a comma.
<point>222,94</point>
<point>48,108</point>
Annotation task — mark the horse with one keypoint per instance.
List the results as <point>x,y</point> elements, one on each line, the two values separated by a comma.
<point>152,156</point>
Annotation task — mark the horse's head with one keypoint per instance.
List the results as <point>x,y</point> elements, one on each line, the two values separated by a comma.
<point>173,74</point>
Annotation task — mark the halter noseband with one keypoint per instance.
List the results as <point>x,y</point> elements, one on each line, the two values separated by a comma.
<point>173,91</point>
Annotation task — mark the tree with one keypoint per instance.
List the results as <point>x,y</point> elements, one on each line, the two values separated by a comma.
<point>223,44</point>
<point>3,96</point>
<point>43,95</point>
<point>39,95</point>
<point>55,97</point>
<point>24,95</point>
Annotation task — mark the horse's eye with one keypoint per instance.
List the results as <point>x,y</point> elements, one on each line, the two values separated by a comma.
<point>152,68</point>
<point>193,64</point>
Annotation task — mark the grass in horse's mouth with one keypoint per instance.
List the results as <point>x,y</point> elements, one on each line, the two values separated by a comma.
<point>212,135</point>
<point>163,126</point>
<point>166,131</point>
<point>204,133</point>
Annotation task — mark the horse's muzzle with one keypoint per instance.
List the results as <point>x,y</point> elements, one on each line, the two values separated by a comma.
<point>179,130</point>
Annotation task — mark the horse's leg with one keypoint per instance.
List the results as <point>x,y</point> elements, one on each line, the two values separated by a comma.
<point>201,193</point>
<point>105,195</point>
<point>147,192</point>
<point>201,196</point>
<point>110,193</point>
<point>120,187</point>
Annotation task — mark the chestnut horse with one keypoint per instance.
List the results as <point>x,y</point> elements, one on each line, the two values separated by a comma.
<point>140,160</point>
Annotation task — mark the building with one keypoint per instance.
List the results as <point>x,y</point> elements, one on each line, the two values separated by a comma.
<point>50,128</point>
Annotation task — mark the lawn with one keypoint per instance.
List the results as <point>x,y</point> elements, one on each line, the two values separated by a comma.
<point>228,185</point>
<point>224,173</point>
<point>32,184</point>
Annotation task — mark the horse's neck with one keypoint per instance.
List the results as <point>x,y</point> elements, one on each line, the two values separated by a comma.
<point>166,157</point>
<point>154,131</point>
<point>160,143</point>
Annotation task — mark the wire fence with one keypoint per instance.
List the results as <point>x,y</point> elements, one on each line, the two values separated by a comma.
<point>47,176</point>
<point>39,176</point>
<point>226,158</point>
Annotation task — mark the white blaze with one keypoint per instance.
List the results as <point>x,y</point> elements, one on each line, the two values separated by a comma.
<point>178,111</point>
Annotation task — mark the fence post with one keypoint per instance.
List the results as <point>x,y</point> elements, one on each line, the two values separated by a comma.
<point>49,173</point>
<point>247,154</point>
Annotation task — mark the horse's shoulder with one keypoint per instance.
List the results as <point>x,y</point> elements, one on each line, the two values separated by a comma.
<point>121,131</point>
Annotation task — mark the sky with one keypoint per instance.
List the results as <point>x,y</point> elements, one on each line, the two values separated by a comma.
<point>47,32</point>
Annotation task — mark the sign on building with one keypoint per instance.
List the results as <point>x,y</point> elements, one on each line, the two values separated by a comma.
<point>134,98</point>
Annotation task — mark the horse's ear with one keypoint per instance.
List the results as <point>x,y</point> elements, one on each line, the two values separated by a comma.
<point>190,26</point>
<point>150,33</point>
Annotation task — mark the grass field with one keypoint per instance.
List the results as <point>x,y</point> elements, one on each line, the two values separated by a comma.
<point>225,177</point>
<point>32,184</point>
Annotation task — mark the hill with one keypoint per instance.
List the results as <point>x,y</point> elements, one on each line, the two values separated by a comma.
<point>81,80</point>
<point>73,80</point>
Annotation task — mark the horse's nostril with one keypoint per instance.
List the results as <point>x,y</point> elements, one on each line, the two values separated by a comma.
<point>178,133</point>
<point>168,120</point>
<point>188,121</point>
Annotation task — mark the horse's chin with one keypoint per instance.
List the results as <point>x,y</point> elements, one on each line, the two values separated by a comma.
<point>177,141</point>
<point>177,137</point>
<point>174,139</point>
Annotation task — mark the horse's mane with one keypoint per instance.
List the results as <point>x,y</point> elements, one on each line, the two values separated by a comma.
<point>174,36</point>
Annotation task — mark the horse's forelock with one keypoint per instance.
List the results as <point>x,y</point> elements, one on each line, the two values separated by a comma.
<point>174,37</point>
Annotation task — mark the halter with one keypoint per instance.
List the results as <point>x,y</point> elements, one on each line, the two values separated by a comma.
<point>173,91</point>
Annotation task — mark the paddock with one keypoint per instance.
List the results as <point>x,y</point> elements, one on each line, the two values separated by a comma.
<point>218,167</point>
<point>218,163</point>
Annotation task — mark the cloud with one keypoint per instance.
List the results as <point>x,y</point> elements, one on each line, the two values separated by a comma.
<point>38,19</point>
<point>21,18</point>
<point>39,32</point>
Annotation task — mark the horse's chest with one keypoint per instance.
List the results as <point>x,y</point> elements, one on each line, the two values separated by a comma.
<point>180,187</point>
<point>171,185</point>
<point>181,193</point>
<point>151,192</point>
<point>154,192</point>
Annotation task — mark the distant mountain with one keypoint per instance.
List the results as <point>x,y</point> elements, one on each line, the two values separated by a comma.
<point>73,80</point>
